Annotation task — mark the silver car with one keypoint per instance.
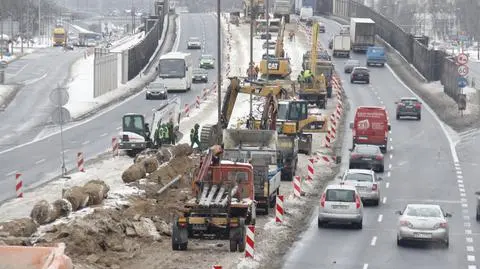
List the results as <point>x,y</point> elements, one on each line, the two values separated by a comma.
<point>366,182</point>
<point>340,204</point>
<point>194,43</point>
<point>350,64</point>
<point>423,222</point>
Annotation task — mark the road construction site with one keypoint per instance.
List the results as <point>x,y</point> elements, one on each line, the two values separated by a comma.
<point>126,217</point>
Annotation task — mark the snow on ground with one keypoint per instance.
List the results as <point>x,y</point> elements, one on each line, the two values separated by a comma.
<point>107,170</point>
<point>5,92</point>
<point>80,89</point>
<point>129,43</point>
<point>473,97</point>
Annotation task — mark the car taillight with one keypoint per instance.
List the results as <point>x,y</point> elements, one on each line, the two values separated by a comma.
<point>358,203</point>
<point>374,187</point>
<point>401,104</point>
<point>354,156</point>
<point>418,106</point>
<point>125,138</point>
<point>406,223</point>
<point>322,200</point>
<point>379,157</point>
<point>441,225</point>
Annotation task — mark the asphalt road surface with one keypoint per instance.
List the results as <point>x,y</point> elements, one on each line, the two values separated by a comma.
<point>419,169</point>
<point>40,73</point>
<point>41,160</point>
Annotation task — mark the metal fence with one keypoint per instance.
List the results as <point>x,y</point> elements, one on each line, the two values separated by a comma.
<point>433,65</point>
<point>105,71</point>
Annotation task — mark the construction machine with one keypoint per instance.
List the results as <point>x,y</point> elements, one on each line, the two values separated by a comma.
<point>257,8</point>
<point>259,148</point>
<point>289,117</point>
<point>314,91</point>
<point>276,66</point>
<point>135,137</point>
<point>223,205</point>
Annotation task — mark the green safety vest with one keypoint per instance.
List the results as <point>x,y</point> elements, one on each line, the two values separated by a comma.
<point>165,132</point>
<point>160,132</point>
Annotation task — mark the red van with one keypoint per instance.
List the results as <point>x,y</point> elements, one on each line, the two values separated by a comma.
<point>371,126</point>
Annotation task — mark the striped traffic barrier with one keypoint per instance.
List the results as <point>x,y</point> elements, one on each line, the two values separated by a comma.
<point>326,158</point>
<point>186,110</point>
<point>279,210</point>
<point>115,146</point>
<point>80,162</point>
<point>217,267</point>
<point>310,169</point>
<point>297,186</point>
<point>197,102</point>
<point>19,185</point>
<point>250,242</point>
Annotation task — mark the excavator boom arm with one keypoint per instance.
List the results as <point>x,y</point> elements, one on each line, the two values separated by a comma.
<point>280,38</point>
<point>314,51</point>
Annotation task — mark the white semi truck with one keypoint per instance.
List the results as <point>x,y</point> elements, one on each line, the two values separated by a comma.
<point>341,46</point>
<point>282,8</point>
<point>362,34</point>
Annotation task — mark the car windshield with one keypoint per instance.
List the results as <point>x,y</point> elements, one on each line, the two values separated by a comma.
<point>340,195</point>
<point>207,57</point>
<point>157,85</point>
<point>362,149</point>
<point>194,39</point>
<point>362,177</point>
<point>172,68</point>
<point>361,70</point>
<point>353,63</point>
<point>423,211</point>
<point>409,102</point>
<point>198,71</point>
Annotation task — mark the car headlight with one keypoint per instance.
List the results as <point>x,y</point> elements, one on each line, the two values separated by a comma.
<point>148,92</point>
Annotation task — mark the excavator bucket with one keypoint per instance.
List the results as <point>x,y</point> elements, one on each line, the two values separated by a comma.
<point>34,257</point>
<point>243,144</point>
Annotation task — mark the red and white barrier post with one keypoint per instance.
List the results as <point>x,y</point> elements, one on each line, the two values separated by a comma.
<point>217,267</point>
<point>197,102</point>
<point>19,185</point>
<point>279,211</point>
<point>115,146</point>
<point>80,162</point>
<point>297,186</point>
<point>250,242</point>
<point>186,110</point>
<point>311,170</point>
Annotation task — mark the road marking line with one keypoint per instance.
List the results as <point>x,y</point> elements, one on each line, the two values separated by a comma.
<point>65,151</point>
<point>460,181</point>
<point>472,267</point>
<point>390,139</point>
<point>463,200</point>
<point>390,166</point>
<point>40,161</point>
<point>390,132</point>
<point>391,156</point>
<point>461,189</point>
<point>387,185</point>
<point>458,168</point>
<point>118,128</point>
<point>104,134</point>
<point>466,217</point>
<point>456,163</point>
<point>468,231</point>
<point>86,142</point>
<point>380,218</point>
<point>365,266</point>
<point>470,249</point>
<point>381,102</point>
<point>460,185</point>
<point>469,239</point>
<point>389,174</point>
<point>459,176</point>
<point>467,225</point>
<point>391,147</point>
<point>11,173</point>
<point>470,258</point>
<point>459,172</point>
<point>465,211</point>
<point>374,241</point>
<point>465,205</point>
<point>384,200</point>
<point>376,93</point>
<point>463,194</point>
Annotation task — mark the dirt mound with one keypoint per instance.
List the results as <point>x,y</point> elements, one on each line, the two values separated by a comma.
<point>181,150</point>
<point>150,164</point>
<point>134,172</point>
<point>177,166</point>
<point>97,191</point>
<point>44,212</point>
<point>77,196</point>
<point>24,227</point>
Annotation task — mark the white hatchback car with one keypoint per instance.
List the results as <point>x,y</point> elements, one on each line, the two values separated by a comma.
<point>340,204</point>
<point>366,182</point>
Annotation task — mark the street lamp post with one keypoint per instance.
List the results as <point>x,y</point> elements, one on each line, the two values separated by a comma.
<point>219,73</point>
<point>39,13</point>
<point>1,38</point>
<point>252,21</point>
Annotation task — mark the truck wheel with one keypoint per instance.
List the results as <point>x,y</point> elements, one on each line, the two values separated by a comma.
<point>419,117</point>
<point>383,149</point>
<point>478,217</point>
<point>398,116</point>
<point>179,237</point>
<point>381,169</point>
<point>273,200</point>
<point>233,245</point>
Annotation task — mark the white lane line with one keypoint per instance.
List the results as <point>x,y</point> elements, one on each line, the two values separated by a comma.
<point>458,168</point>
<point>472,267</point>
<point>461,185</point>
<point>380,218</point>
<point>86,142</point>
<point>461,189</point>
<point>40,161</point>
<point>378,97</point>
<point>376,93</point>
<point>468,231</point>
<point>390,166</point>
<point>465,211</point>
<point>459,176</point>
<point>391,156</point>
<point>464,205</point>
<point>381,102</point>
<point>389,174</point>
<point>390,139</point>
<point>387,185</point>
<point>470,258</point>
<point>104,134</point>
<point>467,225</point>
<point>374,241</point>
<point>390,132</point>
<point>463,194</point>
<point>365,266</point>
<point>466,217</point>
<point>460,181</point>
<point>459,172</point>
<point>118,128</point>
<point>391,147</point>
<point>384,200</point>
<point>469,239</point>
<point>11,173</point>
<point>470,249</point>
<point>463,200</point>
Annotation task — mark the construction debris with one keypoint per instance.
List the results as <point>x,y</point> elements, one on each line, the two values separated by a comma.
<point>97,191</point>
<point>77,196</point>
<point>24,227</point>
<point>44,212</point>
<point>150,164</point>
<point>134,172</point>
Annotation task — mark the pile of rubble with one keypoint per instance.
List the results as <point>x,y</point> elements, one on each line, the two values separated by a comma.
<point>101,236</point>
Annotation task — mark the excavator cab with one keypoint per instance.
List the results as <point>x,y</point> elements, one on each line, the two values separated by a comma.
<point>277,67</point>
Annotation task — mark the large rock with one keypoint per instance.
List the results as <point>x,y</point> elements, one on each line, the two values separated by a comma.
<point>97,191</point>
<point>150,164</point>
<point>134,172</point>
<point>24,227</point>
<point>62,208</point>
<point>76,196</point>
<point>146,228</point>
<point>181,150</point>
<point>145,154</point>
<point>164,155</point>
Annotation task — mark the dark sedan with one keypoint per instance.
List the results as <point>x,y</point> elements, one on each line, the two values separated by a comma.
<point>360,74</point>
<point>364,156</point>
<point>409,107</point>
<point>156,91</point>
<point>199,75</point>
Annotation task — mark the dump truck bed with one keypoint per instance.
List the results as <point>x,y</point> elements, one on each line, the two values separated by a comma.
<point>18,257</point>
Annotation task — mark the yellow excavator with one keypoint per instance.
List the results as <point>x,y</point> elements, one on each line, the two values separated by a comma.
<point>314,91</point>
<point>289,117</point>
<point>276,66</point>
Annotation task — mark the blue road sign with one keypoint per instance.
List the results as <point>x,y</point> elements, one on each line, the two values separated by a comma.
<point>462,82</point>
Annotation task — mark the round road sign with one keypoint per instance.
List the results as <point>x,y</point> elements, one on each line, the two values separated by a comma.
<point>462,58</point>
<point>61,115</point>
<point>463,70</point>
<point>59,96</point>
<point>462,82</point>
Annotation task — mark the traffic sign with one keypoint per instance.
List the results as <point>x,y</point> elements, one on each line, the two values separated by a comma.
<point>463,70</point>
<point>462,59</point>
<point>462,82</point>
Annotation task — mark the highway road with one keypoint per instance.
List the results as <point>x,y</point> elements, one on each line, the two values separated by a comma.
<point>39,72</point>
<point>420,168</point>
<point>41,160</point>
